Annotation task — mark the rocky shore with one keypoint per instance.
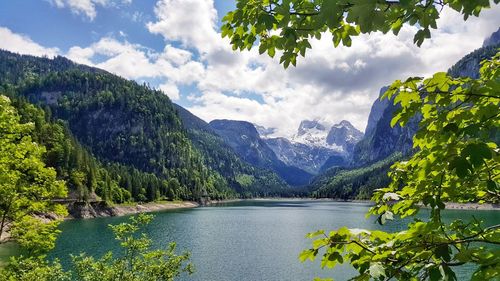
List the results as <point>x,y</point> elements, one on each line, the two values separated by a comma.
<point>101,209</point>
<point>473,206</point>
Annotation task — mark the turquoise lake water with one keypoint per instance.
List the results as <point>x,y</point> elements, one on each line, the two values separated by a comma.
<point>245,241</point>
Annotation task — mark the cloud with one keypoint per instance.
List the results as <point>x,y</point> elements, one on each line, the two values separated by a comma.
<point>330,84</point>
<point>120,57</point>
<point>171,90</point>
<point>191,22</point>
<point>22,44</point>
<point>88,8</point>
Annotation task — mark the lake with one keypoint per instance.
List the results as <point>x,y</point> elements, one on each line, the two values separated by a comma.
<point>245,241</point>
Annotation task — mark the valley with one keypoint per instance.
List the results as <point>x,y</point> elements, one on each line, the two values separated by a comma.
<point>208,140</point>
<point>122,132</point>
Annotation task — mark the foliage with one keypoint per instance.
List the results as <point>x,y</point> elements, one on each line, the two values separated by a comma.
<point>137,262</point>
<point>288,25</point>
<point>107,135</point>
<point>353,183</point>
<point>85,175</point>
<point>247,180</point>
<point>458,160</point>
<point>27,186</point>
<point>33,268</point>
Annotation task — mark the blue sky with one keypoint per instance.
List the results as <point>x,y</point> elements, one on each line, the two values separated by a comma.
<point>175,45</point>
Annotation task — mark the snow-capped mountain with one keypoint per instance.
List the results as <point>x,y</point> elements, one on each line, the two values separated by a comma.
<point>312,133</point>
<point>314,145</point>
<point>309,158</point>
<point>264,132</point>
<point>245,140</point>
<point>344,135</point>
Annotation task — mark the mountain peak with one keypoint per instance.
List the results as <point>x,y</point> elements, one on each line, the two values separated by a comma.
<point>311,133</point>
<point>265,132</point>
<point>344,123</point>
<point>494,39</point>
<point>345,135</point>
<point>309,125</point>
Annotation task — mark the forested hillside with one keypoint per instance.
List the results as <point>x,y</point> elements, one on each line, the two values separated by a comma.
<point>132,130</point>
<point>86,176</point>
<point>354,183</point>
<point>246,179</point>
<point>244,139</point>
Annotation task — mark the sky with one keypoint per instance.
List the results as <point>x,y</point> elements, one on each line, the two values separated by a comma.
<point>175,46</point>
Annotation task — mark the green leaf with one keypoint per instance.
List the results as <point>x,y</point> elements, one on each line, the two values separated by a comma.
<point>377,270</point>
<point>308,254</point>
<point>461,166</point>
<point>477,152</point>
<point>493,186</point>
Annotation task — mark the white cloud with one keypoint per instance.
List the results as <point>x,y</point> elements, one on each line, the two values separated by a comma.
<point>22,44</point>
<point>191,22</point>
<point>171,90</point>
<point>88,8</point>
<point>125,59</point>
<point>331,84</point>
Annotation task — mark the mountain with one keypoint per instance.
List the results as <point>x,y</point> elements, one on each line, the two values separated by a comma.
<point>381,140</point>
<point>248,180</point>
<point>305,157</point>
<point>264,132</point>
<point>352,183</point>
<point>344,135</point>
<point>493,40</point>
<point>340,137</point>
<point>469,65</point>
<point>383,144</point>
<point>118,123</point>
<point>244,139</point>
<point>314,148</point>
<point>376,112</point>
<point>312,133</point>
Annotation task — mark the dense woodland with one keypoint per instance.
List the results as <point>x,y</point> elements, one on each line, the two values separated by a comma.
<point>355,183</point>
<point>116,140</point>
<point>122,141</point>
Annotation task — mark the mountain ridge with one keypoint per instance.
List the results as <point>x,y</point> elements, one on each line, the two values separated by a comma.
<point>244,138</point>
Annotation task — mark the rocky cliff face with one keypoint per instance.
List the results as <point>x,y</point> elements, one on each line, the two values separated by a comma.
<point>469,65</point>
<point>376,112</point>
<point>381,140</point>
<point>245,140</point>
<point>493,40</point>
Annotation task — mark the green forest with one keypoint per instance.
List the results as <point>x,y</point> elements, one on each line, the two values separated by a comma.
<point>112,138</point>
<point>75,134</point>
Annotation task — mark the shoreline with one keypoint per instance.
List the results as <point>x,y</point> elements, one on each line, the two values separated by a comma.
<point>89,212</point>
<point>472,206</point>
<point>100,209</point>
<point>449,205</point>
<point>150,207</point>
